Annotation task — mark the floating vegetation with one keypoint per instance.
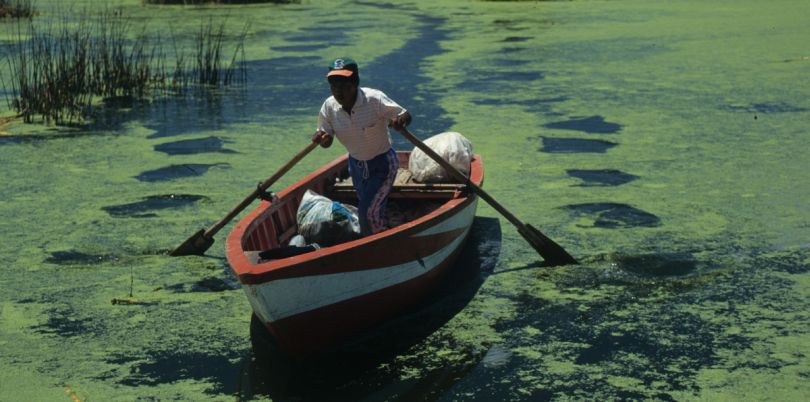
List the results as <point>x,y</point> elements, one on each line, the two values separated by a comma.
<point>196,2</point>
<point>59,72</point>
<point>16,8</point>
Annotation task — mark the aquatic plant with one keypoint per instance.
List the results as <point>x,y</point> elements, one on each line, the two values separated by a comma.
<point>59,72</point>
<point>16,8</point>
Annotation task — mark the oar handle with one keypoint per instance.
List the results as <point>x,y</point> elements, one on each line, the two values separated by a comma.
<point>211,231</point>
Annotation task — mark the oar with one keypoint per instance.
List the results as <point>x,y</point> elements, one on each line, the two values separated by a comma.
<point>552,252</point>
<point>202,240</point>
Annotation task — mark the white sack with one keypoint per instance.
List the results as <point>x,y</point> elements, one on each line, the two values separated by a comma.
<point>326,222</point>
<point>451,146</point>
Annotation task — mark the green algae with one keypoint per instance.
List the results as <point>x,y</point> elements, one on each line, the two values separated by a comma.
<point>709,303</point>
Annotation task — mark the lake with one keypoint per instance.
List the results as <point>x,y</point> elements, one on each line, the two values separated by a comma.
<point>663,144</point>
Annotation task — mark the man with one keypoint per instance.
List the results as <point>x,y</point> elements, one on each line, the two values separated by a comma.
<point>359,118</point>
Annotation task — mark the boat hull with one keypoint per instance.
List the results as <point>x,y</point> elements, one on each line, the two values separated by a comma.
<point>313,301</point>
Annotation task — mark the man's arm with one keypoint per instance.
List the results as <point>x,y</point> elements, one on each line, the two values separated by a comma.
<point>399,122</point>
<point>322,138</point>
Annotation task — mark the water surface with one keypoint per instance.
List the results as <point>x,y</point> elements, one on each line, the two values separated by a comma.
<point>663,145</point>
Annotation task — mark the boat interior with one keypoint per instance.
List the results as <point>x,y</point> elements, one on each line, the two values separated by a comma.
<point>408,201</point>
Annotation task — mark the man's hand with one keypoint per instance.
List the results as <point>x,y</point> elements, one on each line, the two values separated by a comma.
<point>398,123</point>
<point>322,138</point>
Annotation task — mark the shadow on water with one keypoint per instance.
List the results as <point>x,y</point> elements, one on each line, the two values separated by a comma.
<point>141,209</point>
<point>73,257</point>
<point>655,265</point>
<point>353,371</point>
<point>554,145</point>
<point>194,146</point>
<point>766,107</point>
<point>610,215</point>
<point>165,367</point>
<point>173,172</point>
<point>601,177</point>
<point>593,125</point>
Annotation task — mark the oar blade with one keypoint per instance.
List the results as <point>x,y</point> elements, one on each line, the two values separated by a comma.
<point>551,252</point>
<point>197,244</point>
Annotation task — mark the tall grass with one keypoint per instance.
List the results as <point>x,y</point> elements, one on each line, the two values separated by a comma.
<point>16,8</point>
<point>58,73</point>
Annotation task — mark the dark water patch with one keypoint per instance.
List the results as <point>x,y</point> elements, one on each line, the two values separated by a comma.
<point>509,62</point>
<point>790,262</point>
<point>65,322</point>
<point>207,284</point>
<point>511,25</point>
<point>73,257</point>
<point>142,209</point>
<point>601,177</point>
<point>194,146</point>
<point>611,215</point>
<point>663,346</point>
<point>508,102</point>
<point>498,81</point>
<point>301,48</point>
<point>596,52</point>
<point>10,139</point>
<point>173,172</point>
<point>331,37</point>
<point>766,107</point>
<point>513,39</point>
<point>387,6</point>
<point>656,265</point>
<point>511,49</point>
<point>554,145</point>
<point>403,84</point>
<point>288,86</point>
<point>63,132</point>
<point>171,366</point>
<point>593,125</point>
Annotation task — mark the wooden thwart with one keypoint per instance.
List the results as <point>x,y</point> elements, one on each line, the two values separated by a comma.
<point>404,187</point>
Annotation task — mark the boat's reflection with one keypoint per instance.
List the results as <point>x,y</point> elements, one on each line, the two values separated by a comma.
<point>353,370</point>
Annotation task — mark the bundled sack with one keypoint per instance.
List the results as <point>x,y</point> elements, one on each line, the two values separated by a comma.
<point>326,222</point>
<point>451,146</point>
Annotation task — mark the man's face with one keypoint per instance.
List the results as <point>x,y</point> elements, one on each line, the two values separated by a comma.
<point>343,90</point>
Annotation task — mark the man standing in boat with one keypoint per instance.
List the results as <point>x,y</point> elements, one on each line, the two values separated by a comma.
<point>359,118</point>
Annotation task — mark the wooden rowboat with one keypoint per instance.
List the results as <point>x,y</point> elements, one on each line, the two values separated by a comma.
<point>314,300</point>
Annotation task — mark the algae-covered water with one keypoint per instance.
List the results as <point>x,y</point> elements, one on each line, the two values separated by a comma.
<point>664,144</point>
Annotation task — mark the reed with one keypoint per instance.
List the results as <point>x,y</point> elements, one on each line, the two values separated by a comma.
<point>16,8</point>
<point>58,72</point>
